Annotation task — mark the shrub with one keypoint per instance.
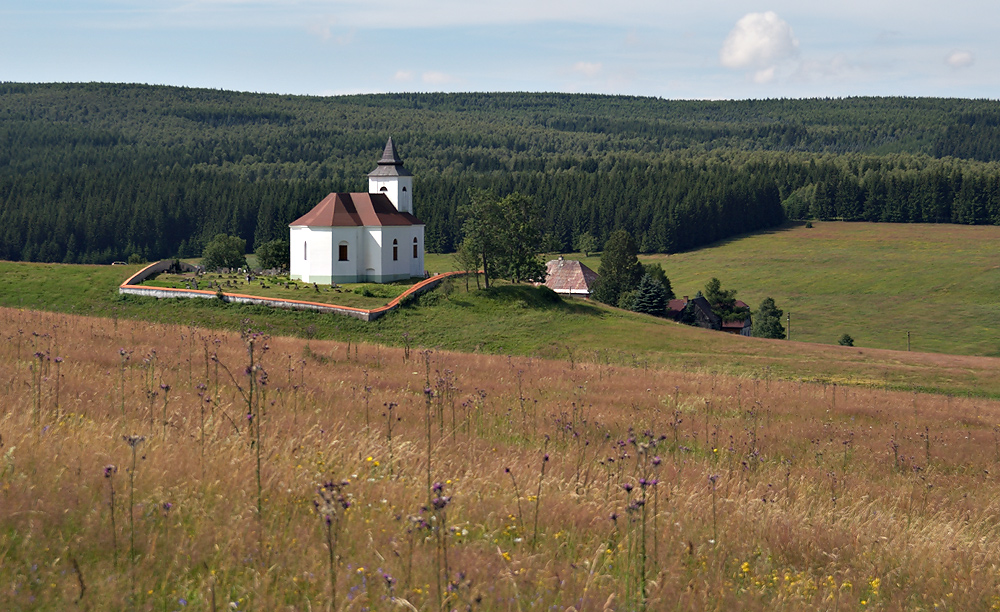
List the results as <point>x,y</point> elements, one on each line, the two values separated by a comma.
<point>225,252</point>
<point>274,255</point>
<point>846,340</point>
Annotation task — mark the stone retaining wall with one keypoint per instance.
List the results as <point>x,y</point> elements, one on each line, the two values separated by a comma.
<point>129,287</point>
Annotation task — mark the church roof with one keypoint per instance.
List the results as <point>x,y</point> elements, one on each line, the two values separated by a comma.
<point>390,164</point>
<point>355,210</point>
<point>569,276</point>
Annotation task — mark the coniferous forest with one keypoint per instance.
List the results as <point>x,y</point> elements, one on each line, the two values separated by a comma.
<point>92,173</point>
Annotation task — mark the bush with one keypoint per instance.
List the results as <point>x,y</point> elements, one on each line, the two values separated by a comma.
<point>225,252</point>
<point>274,255</point>
<point>846,340</point>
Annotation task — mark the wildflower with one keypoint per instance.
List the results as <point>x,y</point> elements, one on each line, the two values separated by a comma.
<point>440,503</point>
<point>109,470</point>
<point>657,461</point>
<point>628,487</point>
<point>167,506</point>
<point>134,440</point>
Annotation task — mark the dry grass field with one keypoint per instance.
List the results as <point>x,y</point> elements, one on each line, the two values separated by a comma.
<point>155,467</point>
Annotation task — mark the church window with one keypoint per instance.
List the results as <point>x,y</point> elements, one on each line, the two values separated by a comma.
<point>414,248</point>
<point>343,251</point>
<point>404,188</point>
<point>395,250</point>
<point>384,189</point>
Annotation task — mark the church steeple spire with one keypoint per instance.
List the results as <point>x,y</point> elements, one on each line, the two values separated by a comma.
<point>390,164</point>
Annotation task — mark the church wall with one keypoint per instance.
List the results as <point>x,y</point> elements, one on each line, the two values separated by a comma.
<point>403,267</point>
<point>349,271</point>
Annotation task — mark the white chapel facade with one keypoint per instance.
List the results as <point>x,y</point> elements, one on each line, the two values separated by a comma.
<point>362,237</point>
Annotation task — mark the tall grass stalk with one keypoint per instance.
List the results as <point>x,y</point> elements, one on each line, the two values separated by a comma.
<point>538,494</point>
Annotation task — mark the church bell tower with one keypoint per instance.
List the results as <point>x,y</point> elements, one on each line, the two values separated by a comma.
<point>392,179</point>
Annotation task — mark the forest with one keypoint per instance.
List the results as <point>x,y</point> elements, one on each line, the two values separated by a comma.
<point>92,173</point>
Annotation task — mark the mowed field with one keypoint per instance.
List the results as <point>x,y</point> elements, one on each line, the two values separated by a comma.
<point>874,281</point>
<point>152,466</point>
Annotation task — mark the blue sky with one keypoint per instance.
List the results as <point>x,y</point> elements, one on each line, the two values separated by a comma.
<point>691,50</point>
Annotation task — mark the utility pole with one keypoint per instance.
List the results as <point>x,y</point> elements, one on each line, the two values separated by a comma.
<point>788,326</point>
<point>907,341</point>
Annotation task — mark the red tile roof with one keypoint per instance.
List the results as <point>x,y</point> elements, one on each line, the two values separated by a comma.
<point>569,276</point>
<point>354,210</point>
<point>677,306</point>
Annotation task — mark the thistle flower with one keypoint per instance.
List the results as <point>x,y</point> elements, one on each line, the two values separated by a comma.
<point>109,470</point>
<point>134,440</point>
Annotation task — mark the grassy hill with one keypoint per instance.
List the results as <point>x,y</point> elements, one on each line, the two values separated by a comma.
<point>938,275</point>
<point>872,281</point>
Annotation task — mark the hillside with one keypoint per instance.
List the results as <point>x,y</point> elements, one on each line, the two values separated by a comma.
<point>513,320</point>
<point>92,173</point>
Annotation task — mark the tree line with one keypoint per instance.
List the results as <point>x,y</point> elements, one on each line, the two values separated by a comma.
<point>99,172</point>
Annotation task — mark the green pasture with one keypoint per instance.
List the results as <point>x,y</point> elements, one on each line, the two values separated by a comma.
<point>874,281</point>
<point>511,320</point>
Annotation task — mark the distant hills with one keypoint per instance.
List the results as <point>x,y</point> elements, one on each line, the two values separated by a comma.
<point>96,172</point>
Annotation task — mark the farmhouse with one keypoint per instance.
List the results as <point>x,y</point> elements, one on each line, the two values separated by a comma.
<point>703,315</point>
<point>362,237</point>
<point>569,277</point>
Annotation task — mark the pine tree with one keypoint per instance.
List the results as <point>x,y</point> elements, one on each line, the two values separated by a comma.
<point>767,321</point>
<point>620,270</point>
<point>651,298</point>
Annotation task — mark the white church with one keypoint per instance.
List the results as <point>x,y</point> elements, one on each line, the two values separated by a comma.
<point>362,237</point>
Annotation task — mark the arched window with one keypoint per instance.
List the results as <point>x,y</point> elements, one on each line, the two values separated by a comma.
<point>404,188</point>
<point>305,251</point>
<point>414,248</point>
<point>384,188</point>
<point>342,255</point>
<point>395,250</point>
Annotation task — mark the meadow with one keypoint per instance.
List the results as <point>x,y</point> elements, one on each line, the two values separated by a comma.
<point>155,466</point>
<point>511,320</point>
<point>874,281</point>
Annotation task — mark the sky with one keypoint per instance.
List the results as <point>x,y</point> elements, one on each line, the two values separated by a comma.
<point>691,49</point>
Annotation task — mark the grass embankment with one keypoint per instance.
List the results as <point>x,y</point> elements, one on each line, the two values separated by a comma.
<point>516,320</point>
<point>562,484</point>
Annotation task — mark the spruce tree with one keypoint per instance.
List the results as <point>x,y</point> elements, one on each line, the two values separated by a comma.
<point>620,270</point>
<point>651,298</point>
<point>767,321</point>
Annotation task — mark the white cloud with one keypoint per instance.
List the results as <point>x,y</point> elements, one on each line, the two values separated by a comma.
<point>960,59</point>
<point>436,78</point>
<point>403,75</point>
<point>759,41</point>
<point>588,69</point>
<point>764,76</point>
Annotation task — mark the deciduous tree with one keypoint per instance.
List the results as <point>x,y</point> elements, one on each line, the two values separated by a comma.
<point>224,251</point>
